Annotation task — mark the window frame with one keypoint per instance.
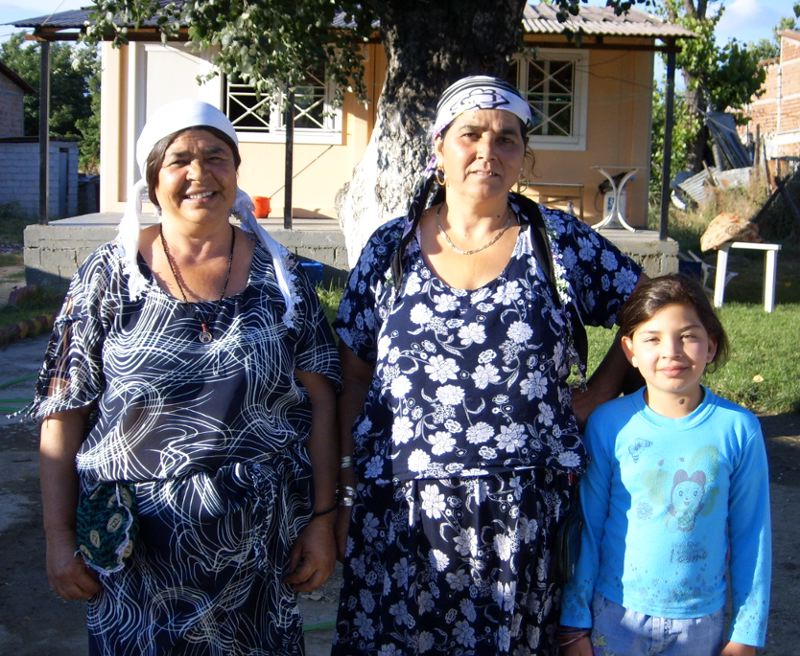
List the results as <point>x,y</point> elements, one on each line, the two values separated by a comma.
<point>576,140</point>
<point>330,133</point>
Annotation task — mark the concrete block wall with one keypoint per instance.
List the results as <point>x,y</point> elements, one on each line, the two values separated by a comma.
<point>53,252</point>
<point>19,176</point>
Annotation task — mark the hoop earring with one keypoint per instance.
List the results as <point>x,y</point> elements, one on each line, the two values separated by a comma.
<point>438,175</point>
<point>522,183</point>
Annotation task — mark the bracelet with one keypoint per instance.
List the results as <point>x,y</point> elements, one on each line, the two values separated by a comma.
<point>566,638</point>
<point>347,495</point>
<point>572,641</point>
<point>327,511</point>
<point>347,462</point>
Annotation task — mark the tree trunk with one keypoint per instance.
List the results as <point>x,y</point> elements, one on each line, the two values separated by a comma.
<point>695,101</point>
<point>428,46</point>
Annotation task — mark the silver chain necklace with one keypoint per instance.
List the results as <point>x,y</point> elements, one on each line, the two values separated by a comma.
<point>205,335</point>
<point>472,251</point>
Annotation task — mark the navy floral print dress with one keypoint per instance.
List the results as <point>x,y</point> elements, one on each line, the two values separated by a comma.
<point>212,436</point>
<point>465,443</point>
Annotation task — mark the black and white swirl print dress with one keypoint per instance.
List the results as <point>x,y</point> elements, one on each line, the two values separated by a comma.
<point>213,438</point>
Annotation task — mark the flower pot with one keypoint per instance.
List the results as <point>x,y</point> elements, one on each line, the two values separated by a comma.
<point>262,206</point>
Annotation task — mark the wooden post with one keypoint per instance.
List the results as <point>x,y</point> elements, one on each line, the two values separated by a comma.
<point>287,186</point>
<point>669,119</point>
<point>44,130</point>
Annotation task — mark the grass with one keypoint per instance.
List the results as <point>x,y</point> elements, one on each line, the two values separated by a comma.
<point>329,297</point>
<point>40,302</point>
<point>11,259</point>
<point>32,306</point>
<point>12,224</point>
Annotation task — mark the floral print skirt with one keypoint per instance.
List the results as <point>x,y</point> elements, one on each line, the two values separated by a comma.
<point>457,566</point>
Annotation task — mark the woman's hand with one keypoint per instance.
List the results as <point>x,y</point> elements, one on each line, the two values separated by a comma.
<point>61,437</point>
<point>737,649</point>
<point>68,575</point>
<point>313,556</point>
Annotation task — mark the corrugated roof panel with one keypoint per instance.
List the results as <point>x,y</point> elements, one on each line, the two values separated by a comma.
<point>599,21</point>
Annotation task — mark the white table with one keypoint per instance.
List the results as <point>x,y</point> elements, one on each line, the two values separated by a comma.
<point>615,218</point>
<point>770,270</point>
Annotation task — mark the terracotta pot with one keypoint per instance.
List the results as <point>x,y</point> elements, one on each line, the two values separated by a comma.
<point>262,206</point>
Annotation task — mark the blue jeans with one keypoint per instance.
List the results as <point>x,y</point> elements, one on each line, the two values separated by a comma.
<point>618,631</point>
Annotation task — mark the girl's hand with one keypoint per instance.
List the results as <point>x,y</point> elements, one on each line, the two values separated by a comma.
<point>582,647</point>
<point>737,649</point>
<point>68,575</point>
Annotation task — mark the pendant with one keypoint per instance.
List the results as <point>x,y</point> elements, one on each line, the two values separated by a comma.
<point>205,334</point>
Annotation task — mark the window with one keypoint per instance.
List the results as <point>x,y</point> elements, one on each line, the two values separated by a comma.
<point>555,84</point>
<point>316,120</point>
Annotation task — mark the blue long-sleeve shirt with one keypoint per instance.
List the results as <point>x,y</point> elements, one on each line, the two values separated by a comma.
<point>669,505</point>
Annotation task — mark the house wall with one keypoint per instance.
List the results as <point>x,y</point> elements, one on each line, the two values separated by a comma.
<point>132,88</point>
<point>617,133</point>
<point>776,112</point>
<point>19,171</point>
<point>617,130</point>
<point>11,109</point>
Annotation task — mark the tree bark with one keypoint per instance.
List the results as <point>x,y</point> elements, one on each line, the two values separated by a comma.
<point>428,46</point>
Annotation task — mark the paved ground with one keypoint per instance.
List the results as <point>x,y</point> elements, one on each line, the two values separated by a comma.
<point>33,622</point>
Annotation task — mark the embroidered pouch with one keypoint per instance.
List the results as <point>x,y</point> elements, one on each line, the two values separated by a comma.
<point>107,526</point>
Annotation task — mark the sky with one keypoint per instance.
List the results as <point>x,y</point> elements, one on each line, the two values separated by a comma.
<point>745,20</point>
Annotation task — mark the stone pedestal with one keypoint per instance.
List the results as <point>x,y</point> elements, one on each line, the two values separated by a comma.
<point>656,257</point>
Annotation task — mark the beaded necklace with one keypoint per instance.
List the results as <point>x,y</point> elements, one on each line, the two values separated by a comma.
<point>205,335</point>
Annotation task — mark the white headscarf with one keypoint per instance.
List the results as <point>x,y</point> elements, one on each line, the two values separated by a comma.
<point>168,119</point>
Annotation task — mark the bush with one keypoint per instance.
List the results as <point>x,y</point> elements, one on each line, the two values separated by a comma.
<point>12,224</point>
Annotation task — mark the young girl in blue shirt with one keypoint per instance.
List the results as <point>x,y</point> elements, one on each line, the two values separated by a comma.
<point>676,495</point>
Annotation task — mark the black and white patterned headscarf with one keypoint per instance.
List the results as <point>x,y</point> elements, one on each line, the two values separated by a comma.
<point>480,92</point>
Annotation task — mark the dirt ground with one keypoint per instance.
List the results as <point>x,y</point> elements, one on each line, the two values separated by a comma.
<point>33,622</point>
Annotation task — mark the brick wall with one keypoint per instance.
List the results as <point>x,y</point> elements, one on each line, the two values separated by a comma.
<point>776,115</point>
<point>19,176</point>
<point>11,109</point>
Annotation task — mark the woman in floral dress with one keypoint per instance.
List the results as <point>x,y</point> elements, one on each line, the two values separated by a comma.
<point>456,413</point>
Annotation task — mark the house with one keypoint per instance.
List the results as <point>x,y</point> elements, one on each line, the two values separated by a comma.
<point>12,95</point>
<point>594,98</point>
<point>776,113</point>
<point>20,156</point>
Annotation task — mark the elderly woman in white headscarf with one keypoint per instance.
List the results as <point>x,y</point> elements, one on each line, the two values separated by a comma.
<point>459,327</point>
<point>187,397</point>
